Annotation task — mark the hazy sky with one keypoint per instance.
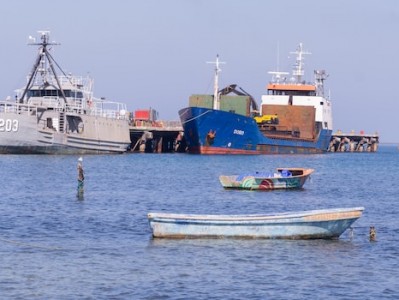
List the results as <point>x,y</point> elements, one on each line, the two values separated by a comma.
<point>153,53</point>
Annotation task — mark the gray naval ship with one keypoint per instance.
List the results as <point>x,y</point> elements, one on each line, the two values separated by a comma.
<point>57,114</point>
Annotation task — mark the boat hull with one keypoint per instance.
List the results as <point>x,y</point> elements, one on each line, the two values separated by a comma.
<point>26,132</point>
<point>267,182</point>
<point>314,224</point>
<point>238,134</point>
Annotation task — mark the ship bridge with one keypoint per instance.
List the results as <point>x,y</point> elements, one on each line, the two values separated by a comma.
<point>291,89</point>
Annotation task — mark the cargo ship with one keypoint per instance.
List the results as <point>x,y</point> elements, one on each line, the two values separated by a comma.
<point>295,117</point>
<point>58,114</point>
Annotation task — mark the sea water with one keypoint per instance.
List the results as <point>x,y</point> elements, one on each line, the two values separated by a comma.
<point>55,245</point>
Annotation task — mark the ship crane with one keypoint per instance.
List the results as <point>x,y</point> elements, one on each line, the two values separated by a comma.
<point>232,88</point>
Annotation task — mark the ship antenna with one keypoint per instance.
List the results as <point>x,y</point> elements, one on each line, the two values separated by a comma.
<point>43,52</point>
<point>320,77</point>
<point>298,70</point>
<point>216,82</point>
<point>277,74</point>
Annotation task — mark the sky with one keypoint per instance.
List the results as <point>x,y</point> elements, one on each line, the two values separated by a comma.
<point>153,53</point>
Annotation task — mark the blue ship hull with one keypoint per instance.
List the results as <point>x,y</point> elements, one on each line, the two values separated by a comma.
<point>209,131</point>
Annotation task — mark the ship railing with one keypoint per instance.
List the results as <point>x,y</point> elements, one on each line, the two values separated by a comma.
<point>156,125</point>
<point>68,81</point>
<point>108,109</point>
<point>50,101</point>
<point>17,108</point>
<point>111,110</point>
<point>109,113</point>
<point>75,80</point>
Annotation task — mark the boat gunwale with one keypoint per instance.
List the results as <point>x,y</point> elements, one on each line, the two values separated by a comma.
<point>306,172</point>
<point>154,216</point>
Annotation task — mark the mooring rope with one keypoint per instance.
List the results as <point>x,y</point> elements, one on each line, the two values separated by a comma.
<point>194,117</point>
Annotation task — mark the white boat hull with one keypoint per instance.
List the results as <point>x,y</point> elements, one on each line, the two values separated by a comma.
<point>314,224</point>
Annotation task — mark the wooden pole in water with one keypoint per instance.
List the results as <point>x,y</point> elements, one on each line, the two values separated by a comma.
<point>372,234</point>
<point>81,177</point>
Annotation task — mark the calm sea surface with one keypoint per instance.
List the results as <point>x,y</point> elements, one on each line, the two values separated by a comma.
<point>55,246</point>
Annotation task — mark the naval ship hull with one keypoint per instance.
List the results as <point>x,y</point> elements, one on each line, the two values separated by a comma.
<point>233,133</point>
<point>26,129</point>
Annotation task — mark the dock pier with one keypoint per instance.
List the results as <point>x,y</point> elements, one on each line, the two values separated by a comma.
<point>168,137</point>
<point>353,142</point>
<point>157,137</point>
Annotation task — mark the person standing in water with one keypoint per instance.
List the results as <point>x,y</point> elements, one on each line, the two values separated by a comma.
<point>81,176</point>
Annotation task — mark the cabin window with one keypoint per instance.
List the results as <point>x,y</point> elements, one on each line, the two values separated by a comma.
<point>321,103</point>
<point>34,93</point>
<point>73,94</point>
<point>50,93</point>
<point>55,93</point>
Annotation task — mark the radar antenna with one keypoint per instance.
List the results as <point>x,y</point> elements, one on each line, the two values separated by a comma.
<point>277,76</point>
<point>298,70</point>
<point>43,57</point>
<point>320,77</point>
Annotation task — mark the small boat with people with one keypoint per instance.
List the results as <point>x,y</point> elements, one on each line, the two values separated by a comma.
<point>311,224</point>
<point>284,178</point>
<point>58,114</point>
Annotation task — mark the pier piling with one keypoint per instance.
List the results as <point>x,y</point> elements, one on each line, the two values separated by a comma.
<point>159,137</point>
<point>352,142</point>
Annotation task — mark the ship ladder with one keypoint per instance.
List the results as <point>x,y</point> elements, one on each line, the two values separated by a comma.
<point>62,121</point>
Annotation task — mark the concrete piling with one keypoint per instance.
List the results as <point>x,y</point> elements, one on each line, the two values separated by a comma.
<point>352,142</point>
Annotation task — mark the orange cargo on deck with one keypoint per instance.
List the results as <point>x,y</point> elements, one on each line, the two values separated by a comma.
<point>142,114</point>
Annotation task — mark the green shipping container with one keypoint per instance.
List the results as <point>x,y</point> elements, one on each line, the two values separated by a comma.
<point>201,101</point>
<point>235,104</point>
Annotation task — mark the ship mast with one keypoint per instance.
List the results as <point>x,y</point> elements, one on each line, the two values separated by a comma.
<point>43,57</point>
<point>320,77</point>
<point>298,70</point>
<point>216,100</point>
<point>277,75</point>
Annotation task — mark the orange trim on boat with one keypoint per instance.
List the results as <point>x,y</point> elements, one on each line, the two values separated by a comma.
<point>291,87</point>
